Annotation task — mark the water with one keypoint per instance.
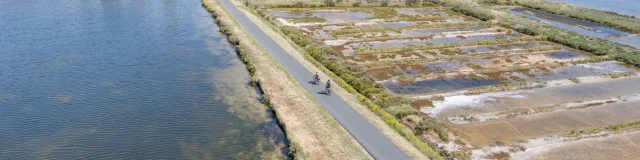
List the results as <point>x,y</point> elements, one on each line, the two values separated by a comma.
<point>626,7</point>
<point>564,54</point>
<point>421,12</point>
<point>582,27</point>
<point>437,86</point>
<point>125,80</point>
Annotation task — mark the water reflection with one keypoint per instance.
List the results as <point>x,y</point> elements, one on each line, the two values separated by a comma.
<point>125,80</point>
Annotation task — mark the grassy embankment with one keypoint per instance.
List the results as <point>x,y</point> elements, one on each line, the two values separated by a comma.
<point>353,78</point>
<point>597,46</point>
<point>311,131</point>
<point>618,21</point>
<point>241,50</point>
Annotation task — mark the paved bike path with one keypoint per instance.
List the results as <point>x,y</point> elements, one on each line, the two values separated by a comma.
<point>379,146</point>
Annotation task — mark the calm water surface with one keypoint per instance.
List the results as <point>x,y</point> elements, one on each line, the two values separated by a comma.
<point>125,79</point>
<point>626,7</point>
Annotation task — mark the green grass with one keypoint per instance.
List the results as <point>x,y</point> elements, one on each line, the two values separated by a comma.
<point>622,126</point>
<point>307,19</point>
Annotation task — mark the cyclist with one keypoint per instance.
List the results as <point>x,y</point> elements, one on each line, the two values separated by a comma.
<point>316,78</point>
<point>328,86</point>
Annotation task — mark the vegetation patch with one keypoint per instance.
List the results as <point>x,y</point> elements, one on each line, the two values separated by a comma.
<point>307,19</point>
<point>419,103</point>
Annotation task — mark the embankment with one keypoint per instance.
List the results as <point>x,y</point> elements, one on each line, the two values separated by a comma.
<point>311,130</point>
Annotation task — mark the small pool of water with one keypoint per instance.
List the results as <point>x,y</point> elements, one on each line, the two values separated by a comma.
<point>493,48</point>
<point>437,86</point>
<point>420,12</point>
<point>564,54</point>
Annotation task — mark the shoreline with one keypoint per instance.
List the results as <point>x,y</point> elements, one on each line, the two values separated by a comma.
<point>249,66</point>
<point>311,131</point>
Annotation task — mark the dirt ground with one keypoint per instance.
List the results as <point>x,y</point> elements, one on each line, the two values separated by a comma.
<point>547,124</point>
<point>306,123</point>
<point>616,147</point>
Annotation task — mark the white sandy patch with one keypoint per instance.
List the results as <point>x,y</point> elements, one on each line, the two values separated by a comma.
<point>287,23</point>
<point>607,67</point>
<point>336,42</point>
<point>455,34</point>
<point>469,101</point>
<point>483,117</point>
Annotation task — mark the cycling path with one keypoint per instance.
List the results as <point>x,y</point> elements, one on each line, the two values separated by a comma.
<point>379,146</point>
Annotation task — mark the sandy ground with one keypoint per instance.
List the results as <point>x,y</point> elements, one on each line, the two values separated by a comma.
<point>527,127</point>
<point>397,139</point>
<point>521,128</point>
<point>615,147</point>
<point>306,123</point>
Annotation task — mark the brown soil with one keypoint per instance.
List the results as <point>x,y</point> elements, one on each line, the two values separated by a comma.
<point>499,155</point>
<point>418,104</point>
<point>381,74</point>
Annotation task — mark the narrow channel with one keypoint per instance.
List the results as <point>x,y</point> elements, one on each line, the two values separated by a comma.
<point>126,80</point>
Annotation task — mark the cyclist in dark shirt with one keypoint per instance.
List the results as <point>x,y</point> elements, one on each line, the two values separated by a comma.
<point>328,86</point>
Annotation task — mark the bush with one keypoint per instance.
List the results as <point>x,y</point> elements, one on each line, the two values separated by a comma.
<point>298,5</point>
<point>384,3</point>
<point>480,13</point>
<point>412,2</point>
<point>339,1</point>
<point>357,4</point>
<point>432,126</point>
<point>499,2</point>
<point>296,35</point>
<point>330,3</point>
<point>429,4</point>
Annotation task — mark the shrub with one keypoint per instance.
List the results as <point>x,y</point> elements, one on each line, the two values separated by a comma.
<point>429,4</point>
<point>480,13</point>
<point>384,3</point>
<point>428,125</point>
<point>357,4</point>
<point>412,2</point>
<point>499,2</point>
<point>298,5</point>
<point>330,3</point>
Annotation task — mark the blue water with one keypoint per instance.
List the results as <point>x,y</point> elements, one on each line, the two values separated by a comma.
<point>125,80</point>
<point>626,7</point>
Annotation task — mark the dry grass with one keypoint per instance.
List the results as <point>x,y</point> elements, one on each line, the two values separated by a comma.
<point>397,139</point>
<point>313,133</point>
